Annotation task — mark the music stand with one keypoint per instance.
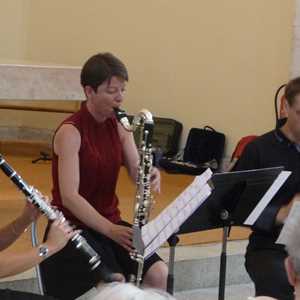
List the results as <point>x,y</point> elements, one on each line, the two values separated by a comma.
<point>234,196</point>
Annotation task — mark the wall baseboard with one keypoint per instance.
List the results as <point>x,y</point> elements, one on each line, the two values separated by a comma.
<point>24,147</point>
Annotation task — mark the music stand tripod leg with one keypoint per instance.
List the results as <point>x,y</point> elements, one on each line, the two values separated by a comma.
<point>172,240</point>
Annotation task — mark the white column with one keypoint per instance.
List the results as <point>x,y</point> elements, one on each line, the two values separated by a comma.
<point>25,82</point>
<point>295,68</point>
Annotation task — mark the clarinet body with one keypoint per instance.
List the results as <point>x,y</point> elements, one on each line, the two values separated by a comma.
<point>34,197</point>
<point>143,122</point>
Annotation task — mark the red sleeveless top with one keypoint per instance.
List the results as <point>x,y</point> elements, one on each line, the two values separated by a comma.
<point>100,159</point>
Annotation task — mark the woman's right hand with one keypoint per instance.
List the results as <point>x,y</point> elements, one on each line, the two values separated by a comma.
<point>121,235</point>
<point>59,234</point>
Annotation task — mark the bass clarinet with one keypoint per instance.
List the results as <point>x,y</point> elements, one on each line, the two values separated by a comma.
<point>35,197</point>
<point>144,200</point>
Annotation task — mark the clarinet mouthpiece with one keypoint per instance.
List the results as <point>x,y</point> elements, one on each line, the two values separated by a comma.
<point>122,118</point>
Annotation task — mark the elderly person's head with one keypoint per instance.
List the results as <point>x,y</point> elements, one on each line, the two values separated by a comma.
<point>127,291</point>
<point>292,243</point>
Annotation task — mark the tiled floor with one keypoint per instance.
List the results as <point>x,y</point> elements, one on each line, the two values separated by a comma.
<point>39,175</point>
<point>232,292</point>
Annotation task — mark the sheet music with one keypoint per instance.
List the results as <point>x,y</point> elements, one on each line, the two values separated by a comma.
<point>265,200</point>
<point>292,221</point>
<point>177,212</point>
<point>152,228</point>
<point>178,220</point>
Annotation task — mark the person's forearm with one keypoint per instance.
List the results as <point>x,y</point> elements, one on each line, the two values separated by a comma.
<point>15,263</point>
<point>87,214</point>
<point>12,231</point>
<point>285,210</point>
<point>133,172</point>
<point>282,214</point>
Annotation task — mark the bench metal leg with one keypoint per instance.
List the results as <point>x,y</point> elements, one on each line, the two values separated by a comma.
<point>35,243</point>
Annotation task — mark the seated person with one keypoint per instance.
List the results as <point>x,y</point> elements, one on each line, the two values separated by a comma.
<point>127,291</point>
<point>89,148</point>
<point>292,244</point>
<point>14,263</point>
<point>279,147</point>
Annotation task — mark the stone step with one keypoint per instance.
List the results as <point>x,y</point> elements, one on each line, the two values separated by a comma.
<point>26,285</point>
<point>196,270</point>
<point>232,292</point>
<point>198,266</point>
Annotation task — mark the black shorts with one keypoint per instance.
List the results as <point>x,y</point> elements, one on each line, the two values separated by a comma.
<point>67,275</point>
<point>16,295</point>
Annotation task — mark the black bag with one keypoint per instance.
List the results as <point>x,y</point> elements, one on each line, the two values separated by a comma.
<point>204,149</point>
<point>166,135</point>
<point>165,139</point>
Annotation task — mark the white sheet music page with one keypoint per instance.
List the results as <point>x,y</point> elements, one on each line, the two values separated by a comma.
<point>178,220</point>
<point>268,196</point>
<point>157,231</point>
<point>291,222</point>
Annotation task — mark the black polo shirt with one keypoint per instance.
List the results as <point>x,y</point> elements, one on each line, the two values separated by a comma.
<point>272,149</point>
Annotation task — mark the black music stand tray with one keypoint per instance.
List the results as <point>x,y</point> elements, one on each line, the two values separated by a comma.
<point>233,198</point>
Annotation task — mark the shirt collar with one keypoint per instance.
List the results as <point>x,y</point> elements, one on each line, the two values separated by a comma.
<point>281,138</point>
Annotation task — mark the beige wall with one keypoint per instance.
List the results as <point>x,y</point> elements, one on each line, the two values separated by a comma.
<point>13,30</point>
<point>202,62</point>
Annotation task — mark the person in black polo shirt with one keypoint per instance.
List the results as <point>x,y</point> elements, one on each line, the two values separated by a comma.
<point>279,147</point>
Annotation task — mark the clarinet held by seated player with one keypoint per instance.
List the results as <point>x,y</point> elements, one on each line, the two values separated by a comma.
<point>144,200</point>
<point>35,197</point>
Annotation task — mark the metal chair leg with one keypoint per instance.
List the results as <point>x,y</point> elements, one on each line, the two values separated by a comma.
<point>35,243</point>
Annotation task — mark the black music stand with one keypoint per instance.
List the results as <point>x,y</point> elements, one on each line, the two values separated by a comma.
<point>43,156</point>
<point>233,198</point>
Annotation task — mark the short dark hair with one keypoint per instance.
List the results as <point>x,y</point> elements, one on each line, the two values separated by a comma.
<point>292,89</point>
<point>102,67</point>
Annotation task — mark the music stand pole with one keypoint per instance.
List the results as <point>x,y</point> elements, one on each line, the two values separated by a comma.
<point>223,261</point>
<point>172,240</point>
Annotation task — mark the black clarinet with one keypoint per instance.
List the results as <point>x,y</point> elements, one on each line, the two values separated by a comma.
<point>143,121</point>
<point>35,197</point>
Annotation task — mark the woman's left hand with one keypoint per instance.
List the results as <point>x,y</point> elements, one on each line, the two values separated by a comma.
<point>30,213</point>
<point>155,179</point>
